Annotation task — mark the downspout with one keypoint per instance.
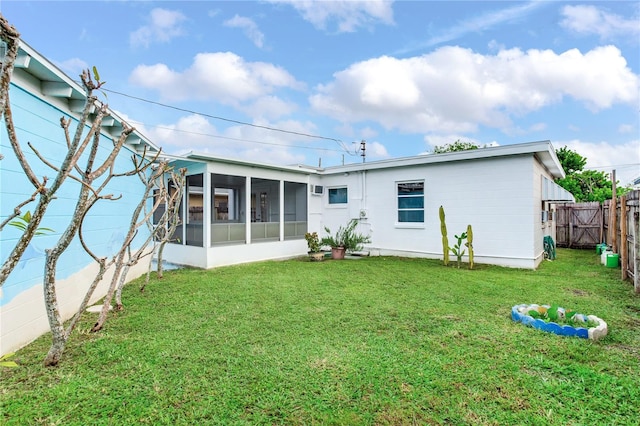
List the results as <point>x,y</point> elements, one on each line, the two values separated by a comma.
<point>363,178</point>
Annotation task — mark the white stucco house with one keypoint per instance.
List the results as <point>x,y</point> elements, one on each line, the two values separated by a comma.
<point>237,211</point>
<point>504,192</point>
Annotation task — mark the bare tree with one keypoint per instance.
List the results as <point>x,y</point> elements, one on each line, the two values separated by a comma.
<point>133,258</point>
<point>169,195</point>
<point>93,177</point>
<point>87,197</point>
<point>125,258</point>
<point>172,218</point>
<point>76,146</point>
<point>103,264</point>
<point>11,37</point>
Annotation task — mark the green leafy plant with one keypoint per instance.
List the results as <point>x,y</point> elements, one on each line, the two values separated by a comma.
<point>4,361</point>
<point>313,242</point>
<point>21,222</point>
<point>345,237</point>
<point>563,317</point>
<point>459,249</point>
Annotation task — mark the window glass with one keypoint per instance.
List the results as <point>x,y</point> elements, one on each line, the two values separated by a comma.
<point>411,202</point>
<point>410,216</point>
<point>338,195</point>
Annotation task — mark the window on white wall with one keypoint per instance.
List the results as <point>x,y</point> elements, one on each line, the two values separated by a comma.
<point>338,195</point>
<point>411,202</point>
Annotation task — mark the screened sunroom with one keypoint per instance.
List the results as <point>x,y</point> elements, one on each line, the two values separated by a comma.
<point>234,211</point>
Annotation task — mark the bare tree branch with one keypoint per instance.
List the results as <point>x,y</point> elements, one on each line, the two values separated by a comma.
<point>121,267</point>
<point>11,36</point>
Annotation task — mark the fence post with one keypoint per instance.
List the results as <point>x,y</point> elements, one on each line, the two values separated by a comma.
<point>601,212</point>
<point>636,251</point>
<point>570,233</point>
<point>613,214</point>
<point>624,247</point>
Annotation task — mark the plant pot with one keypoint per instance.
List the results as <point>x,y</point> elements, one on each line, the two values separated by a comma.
<point>337,253</point>
<point>519,313</point>
<point>316,256</point>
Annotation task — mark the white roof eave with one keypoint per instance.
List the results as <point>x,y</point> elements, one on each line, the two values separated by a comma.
<point>200,156</point>
<point>45,71</point>
<point>543,150</point>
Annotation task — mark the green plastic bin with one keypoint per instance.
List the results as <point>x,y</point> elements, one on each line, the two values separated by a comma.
<point>612,260</point>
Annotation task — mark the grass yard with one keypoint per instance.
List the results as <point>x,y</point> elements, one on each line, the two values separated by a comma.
<point>386,341</point>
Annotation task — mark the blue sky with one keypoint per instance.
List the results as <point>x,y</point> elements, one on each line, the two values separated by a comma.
<point>403,76</point>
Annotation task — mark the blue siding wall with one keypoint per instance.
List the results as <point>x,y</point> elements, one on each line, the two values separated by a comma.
<point>39,123</point>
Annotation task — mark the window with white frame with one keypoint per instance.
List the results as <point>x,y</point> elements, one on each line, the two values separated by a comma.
<point>338,195</point>
<point>410,201</point>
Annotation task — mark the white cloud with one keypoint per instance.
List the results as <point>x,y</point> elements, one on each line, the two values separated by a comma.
<point>538,127</point>
<point>197,133</point>
<point>454,90</point>
<point>585,19</point>
<point>73,66</point>
<point>233,81</point>
<point>626,128</point>
<point>270,107</point>
<point>368,133</point>
<point>482,23</point>
<point>163,26</point>
<point>376,150</point>
<point>348,14</point>
<point>605,156</point>
<point>249,28</point>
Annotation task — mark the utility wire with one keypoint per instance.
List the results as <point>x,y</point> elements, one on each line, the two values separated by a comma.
<point>229,120</point>
<point>233,139</point>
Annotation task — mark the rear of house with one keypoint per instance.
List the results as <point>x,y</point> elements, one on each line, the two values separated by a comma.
<point>503,192</point>
<point>238,211</point>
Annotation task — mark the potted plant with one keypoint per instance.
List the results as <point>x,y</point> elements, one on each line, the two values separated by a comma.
<point>346,239</point>
<point>313,242</point>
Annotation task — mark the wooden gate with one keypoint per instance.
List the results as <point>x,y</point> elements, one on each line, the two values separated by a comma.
<point>579,225</point>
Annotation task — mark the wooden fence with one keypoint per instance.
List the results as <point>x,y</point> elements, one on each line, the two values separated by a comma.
<point>621,231</point>
<point>584,225</point>
<point>579,225</point>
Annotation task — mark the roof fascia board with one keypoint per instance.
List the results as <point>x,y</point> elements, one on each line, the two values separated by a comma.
<point>214,159</point>
<point>61,86</point>
<point>543,149</point>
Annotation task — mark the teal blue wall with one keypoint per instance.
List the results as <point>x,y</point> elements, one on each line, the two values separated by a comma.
<point>106,225</point>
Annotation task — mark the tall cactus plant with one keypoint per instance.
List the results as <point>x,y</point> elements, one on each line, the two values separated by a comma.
<point>470,245</point>
<point>445,239</point>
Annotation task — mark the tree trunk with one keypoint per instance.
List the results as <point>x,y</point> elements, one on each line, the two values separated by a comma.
<point>123,278</point>
<point>51,304</point>
<point>106,303</point>
<point>87,298</point>
<point>160,250</point>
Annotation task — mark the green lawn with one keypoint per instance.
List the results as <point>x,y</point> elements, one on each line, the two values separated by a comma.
<point>369,341</point>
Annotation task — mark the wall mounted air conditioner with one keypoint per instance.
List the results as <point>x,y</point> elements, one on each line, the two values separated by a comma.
<point>317,189</point>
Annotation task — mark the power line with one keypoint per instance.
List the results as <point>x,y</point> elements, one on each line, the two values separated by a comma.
<point>233,139</point>
<point>229,120</point>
